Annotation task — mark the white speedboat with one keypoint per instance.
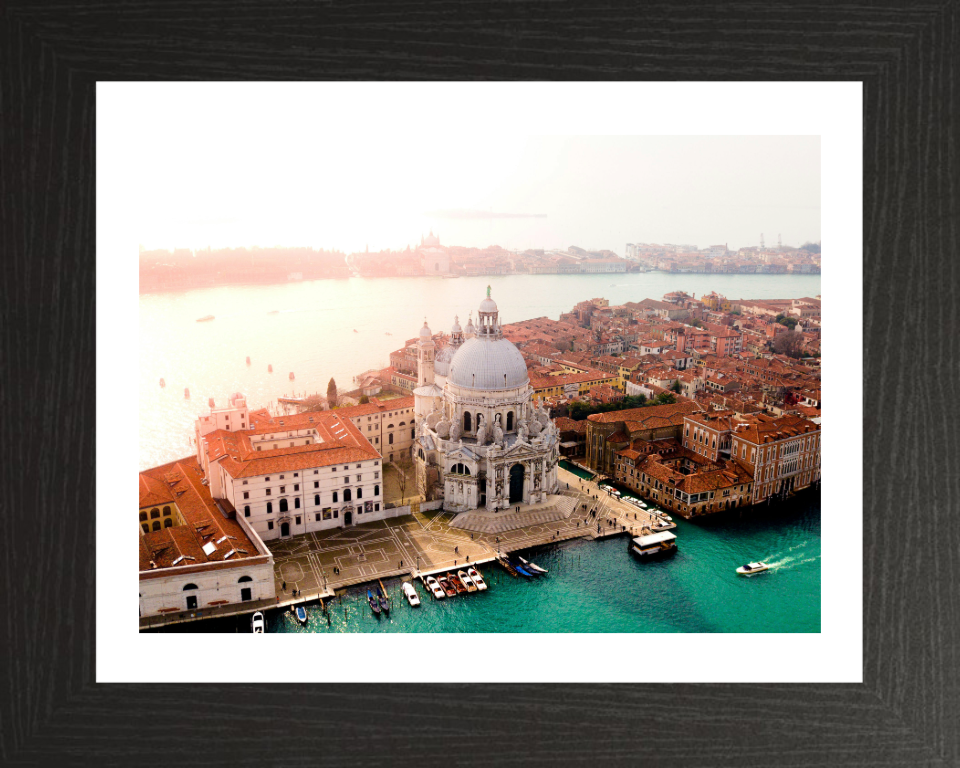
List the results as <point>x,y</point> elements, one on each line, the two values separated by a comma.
<point>467,581</point>
<point>434,586</point>
<point>410,591</point>
<point>258,624</point>
<point>477,579</point>
<point>757,567</point>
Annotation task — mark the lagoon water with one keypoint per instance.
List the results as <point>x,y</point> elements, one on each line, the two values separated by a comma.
<point>308,328</point>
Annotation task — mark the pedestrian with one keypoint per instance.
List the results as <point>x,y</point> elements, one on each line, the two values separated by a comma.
<point>284,586</point>
<point>468,558</point>
<point>457,550</point>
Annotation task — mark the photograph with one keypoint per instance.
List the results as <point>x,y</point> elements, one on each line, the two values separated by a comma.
<point>456,382</point>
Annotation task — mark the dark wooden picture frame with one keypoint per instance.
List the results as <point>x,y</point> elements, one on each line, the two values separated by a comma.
<point>906,712</point>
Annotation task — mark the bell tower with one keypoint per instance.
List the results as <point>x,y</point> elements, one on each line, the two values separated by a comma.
<point>425,356</point>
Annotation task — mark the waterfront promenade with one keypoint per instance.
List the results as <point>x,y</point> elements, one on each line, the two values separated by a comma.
<point>316,565</point>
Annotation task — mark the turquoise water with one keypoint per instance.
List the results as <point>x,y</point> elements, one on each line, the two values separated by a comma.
<point>598,586</point>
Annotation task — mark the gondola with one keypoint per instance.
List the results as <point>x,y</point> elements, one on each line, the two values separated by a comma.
<point>374,603</point>
<point>384,601</point>
<point>535,569</point>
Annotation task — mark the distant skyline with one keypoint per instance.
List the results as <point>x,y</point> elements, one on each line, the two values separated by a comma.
<point>245,167</point>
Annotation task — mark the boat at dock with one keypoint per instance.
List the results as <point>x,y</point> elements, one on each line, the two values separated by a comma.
<point>506,566</point>
<point>457,584</point>
<point>536,569</point>
<point>474,574</point>
<point>434,586</point>
<point>384,601</point>
<point>206,319</point>
<point>411,594</point>
<point>374,603</point>
<point>749,568</point>
<point>301,614</point>
<point>257,623</point>
<point>654,544</point>
<point>448,588</point>
<point>467,581</point>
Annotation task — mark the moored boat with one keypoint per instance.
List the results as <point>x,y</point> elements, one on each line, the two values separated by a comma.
<point>301,614</point>
<point>448,588</point>
<point>467,581</point>
<point>206,319</point>
<point>374,603</point>
<point>257,623</point>
<point>757,567</point>
<point>506,566</point>
<point>531,566</point>
<point>474,574</point>
<point>411,593</point>
<point>434,586</point>
<point>654,544</point>
<point>457,584</point>
<point>384,601</point>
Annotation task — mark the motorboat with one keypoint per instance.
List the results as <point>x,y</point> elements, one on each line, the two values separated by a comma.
<point>757,567</point>
<point>458,585</point>
<point>434,586</point>
<point>301,614</point>
<point>477,579</point>
<point>206,319</point>
<point>411,593</point>
<point>654,544</point>
<point>448,588</point>
<point>531,567</point>
<point>384,601</point>
<point>257,623</point>
<point>374,603</point>
<point>467,581</point>
<point>355,330</point>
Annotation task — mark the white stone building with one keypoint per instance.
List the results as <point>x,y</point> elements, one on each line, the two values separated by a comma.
<point>482,442</point>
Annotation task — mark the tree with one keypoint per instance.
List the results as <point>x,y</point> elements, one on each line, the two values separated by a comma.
<point>364,399</point>
<point>810,247</point>
<point>789,322</point>
<point>789,343</point>
<point>332,393</point>
<point>676,387</point>
<point>665,398</point>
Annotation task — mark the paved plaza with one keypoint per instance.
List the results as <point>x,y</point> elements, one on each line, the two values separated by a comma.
<point>317,564</point>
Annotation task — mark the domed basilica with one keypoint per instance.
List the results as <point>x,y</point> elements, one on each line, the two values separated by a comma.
<point>482,442</point>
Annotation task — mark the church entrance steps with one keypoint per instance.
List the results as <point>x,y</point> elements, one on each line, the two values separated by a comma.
<point>557,508</point>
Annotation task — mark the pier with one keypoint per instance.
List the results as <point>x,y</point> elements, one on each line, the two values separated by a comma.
<point>319,565</point>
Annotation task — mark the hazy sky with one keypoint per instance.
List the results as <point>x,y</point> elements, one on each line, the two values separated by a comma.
<point>247,165</point>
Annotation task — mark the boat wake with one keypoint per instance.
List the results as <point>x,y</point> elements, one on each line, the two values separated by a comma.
<point>791,562</point>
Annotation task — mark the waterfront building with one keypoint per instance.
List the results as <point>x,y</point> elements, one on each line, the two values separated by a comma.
<point>610,432</point>
<point>482,439</point>
<point>782,454</point>
<point>289,475</point>
<point>196,553</point>
<point>387,424</point>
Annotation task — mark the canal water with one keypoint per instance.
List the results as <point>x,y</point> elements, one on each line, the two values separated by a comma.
<point>598,586</point>
<point>340,328</point>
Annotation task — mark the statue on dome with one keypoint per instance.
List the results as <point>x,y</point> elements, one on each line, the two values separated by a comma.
<point>523,432</point>
<point>535,427</point>
<point>497,431</point>
<point>481,433</point>
<point>455,430</point>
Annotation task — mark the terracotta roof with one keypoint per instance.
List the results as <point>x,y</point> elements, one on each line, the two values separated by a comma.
<point>652,413</point>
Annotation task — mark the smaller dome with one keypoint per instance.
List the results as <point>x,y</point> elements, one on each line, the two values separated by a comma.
<point>456,325</point>
<point>488,305</point>
<point>425,332</point>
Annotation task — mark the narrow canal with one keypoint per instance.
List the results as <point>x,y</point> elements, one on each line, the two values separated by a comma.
<point>600,587</point>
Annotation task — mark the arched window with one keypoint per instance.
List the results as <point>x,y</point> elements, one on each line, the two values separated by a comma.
<point>243,579</point>
<point>359,493</point>
<point>156,525</point>
<point>389,426</point>
<point>376,490</point>
<point>188,587</point>
<point>413,433</point>
<point>146,527</point>
<point>283,505</point>
<point>403,423</point>
<point>143,516</point>
<point>466,422</point>
<point>168,523</point>
<point>334,497</point>
<point>509,421</point>
<point>166,511</point>
<point>296,503</point>
<point>316,500</point>
<point>246,511</point>
<point>390,438</point>
<point>346,495</point>
<point>154,513</point>
<point>269,507</point>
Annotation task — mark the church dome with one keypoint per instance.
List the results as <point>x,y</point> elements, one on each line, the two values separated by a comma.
<point>488,305</point>
<point>425,332</point>
<point>488,364</point>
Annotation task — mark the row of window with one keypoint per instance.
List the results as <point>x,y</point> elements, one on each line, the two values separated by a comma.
<point>347,496</point>
<point>325,514</point>
<point>154,513</point>
<point>168,523</point>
